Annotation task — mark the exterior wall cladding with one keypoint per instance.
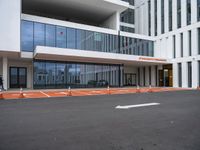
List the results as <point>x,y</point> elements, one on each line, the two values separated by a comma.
<point>142,42</point>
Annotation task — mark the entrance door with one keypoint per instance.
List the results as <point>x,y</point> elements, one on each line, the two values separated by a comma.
<point>18,76</point>
<point>130,79</point>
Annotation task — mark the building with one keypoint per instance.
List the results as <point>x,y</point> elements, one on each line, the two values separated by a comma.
<point>96,43</point>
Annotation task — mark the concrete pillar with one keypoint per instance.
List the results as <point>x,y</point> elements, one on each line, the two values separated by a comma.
<point>193,11</point>
<point>174,14</point>
<point>195,74</point>
<point>5,72</point>
<point>166,13</point>
<point>175,75</point>
<point>184,75</point>
<point>183,13</point>
<point>159,16</point>
<point>185,44</point>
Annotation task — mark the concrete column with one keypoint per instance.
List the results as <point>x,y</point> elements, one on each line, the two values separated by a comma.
<point>185,44</point>
<point>152,18</point>
<point>184,75</point>
<point>195,74</point>
<point>193,11</point>
<point>5,72</point>
<point>153,74</point>
<point>183,13</point>
<point>174,14</point>
<point>166,13</point>
<point>178,45</point>
<point>159,16</point>
<point>194,37</point>
<point>170,47</point>
<point>175,74</point>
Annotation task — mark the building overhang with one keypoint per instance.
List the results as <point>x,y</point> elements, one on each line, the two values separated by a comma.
<point>95,11</point>
<point>63,54</point>
<point>9,53</point>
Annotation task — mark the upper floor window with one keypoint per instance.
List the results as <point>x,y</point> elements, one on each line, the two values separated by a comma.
<point>162,16</point>
<point>155,14</point>
<point>178,13</point>
<point>27,36</point>
<point>149,16</point>
<point>128,16</point>
<point>198,10</point>
<point>188,12</point>
<point>170,15</point>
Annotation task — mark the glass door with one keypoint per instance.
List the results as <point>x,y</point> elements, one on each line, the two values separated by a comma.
<point>18,77</point>
<point>130,79</point>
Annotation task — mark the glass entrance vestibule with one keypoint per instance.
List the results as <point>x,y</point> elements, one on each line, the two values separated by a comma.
<point>51,74</point>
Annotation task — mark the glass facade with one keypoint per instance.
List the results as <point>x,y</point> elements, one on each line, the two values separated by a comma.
<point>198,10</point>
<point>189,74</point>
<point>179,74</point>
<point>50,74</point>
<point>190,43</point>
<point>170,15</point>
<point>181,46</point>
<point>149,17</point>
<point>162,16</point>
<point>178,13</point>
<point>128,16</point>
<point>174,46</point>
<point>34,34</point>
<point>132,46</point>
<point>127,29</point>
<point>155,14</point>
<point>188,12</point>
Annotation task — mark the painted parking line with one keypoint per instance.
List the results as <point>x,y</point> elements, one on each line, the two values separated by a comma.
<point>45,94</point>
<point>138,105</point>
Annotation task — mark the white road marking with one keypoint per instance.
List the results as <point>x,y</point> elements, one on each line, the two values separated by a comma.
<point>45,94</point>
<point>134,106</point>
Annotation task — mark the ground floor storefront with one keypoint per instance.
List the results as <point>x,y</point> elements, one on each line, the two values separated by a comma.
<point>46,74</point>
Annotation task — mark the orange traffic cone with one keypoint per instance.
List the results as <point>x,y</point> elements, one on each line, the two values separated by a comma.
<point>150,89</point>
<point>1,94</point>
<point>21,94</point>
<point>108,90</point>
<point>138,90</point>
<point>69,92</point>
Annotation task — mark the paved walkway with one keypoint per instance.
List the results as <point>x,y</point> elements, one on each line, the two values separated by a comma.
<point>79,92</point>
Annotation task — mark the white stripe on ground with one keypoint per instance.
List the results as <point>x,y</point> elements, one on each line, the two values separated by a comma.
<point>138,105</point>
<point>45,94</point>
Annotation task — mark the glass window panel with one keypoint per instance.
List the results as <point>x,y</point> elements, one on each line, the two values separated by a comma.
<point>27,36</point>
<point>50,35</point>
<point>39,34</point>
<point>61,37</point>
<point>71,38</point>
<point>40,75</point>
<point>81,39</point>
<point>51,74</point>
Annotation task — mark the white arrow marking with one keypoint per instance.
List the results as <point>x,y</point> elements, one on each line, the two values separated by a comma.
<point>138,105</point>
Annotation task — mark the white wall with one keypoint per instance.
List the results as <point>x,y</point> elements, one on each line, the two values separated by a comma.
<point>113,22</point>
<point>10,25</point>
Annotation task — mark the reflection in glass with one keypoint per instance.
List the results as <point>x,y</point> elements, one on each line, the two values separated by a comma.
<point>27,36</point>
<point>38,34</point>
<point>76,75</point>
<point>61,37</point>
<point>50,35</point>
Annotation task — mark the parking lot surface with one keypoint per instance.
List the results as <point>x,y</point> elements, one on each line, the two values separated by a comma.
<point>96,123</point>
